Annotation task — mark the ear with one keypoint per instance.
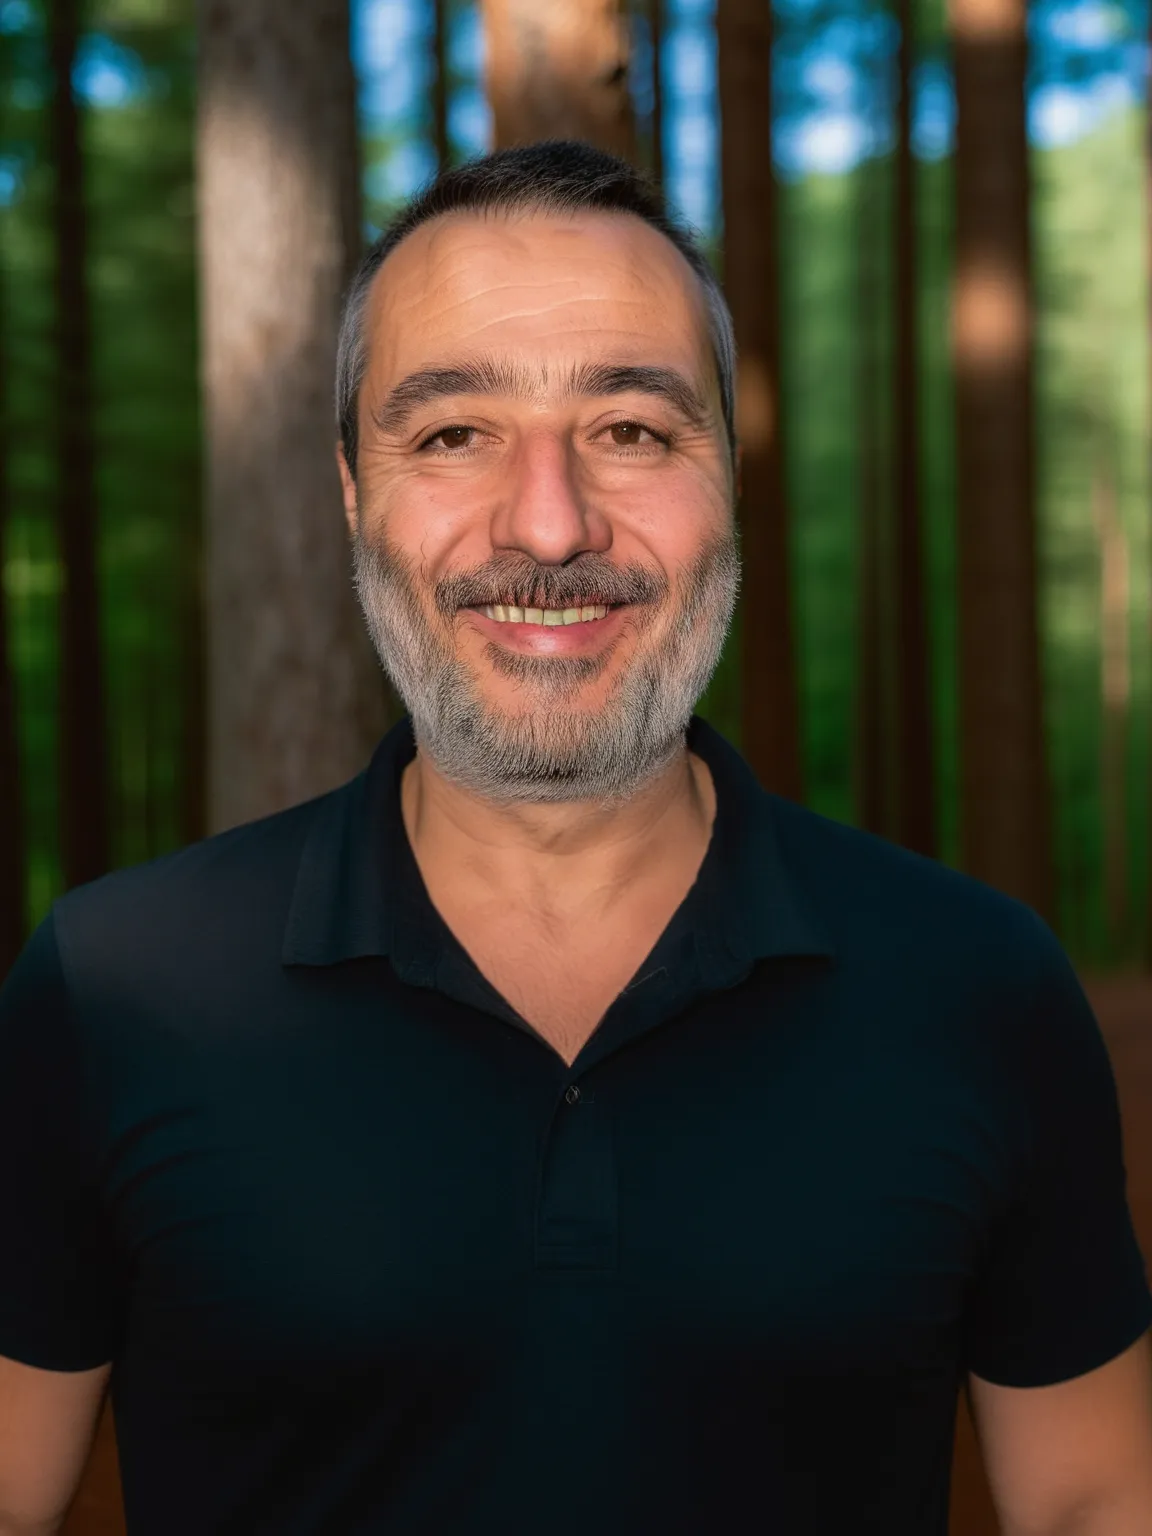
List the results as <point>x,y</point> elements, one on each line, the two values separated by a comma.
<point>348,485</point>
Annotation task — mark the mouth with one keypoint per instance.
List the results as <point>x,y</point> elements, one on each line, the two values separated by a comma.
<point>549,631</point>
<point>547,618</point>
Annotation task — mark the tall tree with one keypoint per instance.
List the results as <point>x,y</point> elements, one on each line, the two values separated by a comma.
<point>874,785</point>
<point>656,35</point>
<point>85,809</point>
<point>913,798</point>
<point>440,82</point>
<point>1115,685</point>
<point>1004,790</point>
<point>296,697</point>
<point>560,70</point>
<point>13,852</point>
<point>770,708</point>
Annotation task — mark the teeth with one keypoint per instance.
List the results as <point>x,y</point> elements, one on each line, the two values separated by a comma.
<point>550,617</point>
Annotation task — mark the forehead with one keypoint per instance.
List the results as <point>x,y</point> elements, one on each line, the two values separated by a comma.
<point>574,283</point>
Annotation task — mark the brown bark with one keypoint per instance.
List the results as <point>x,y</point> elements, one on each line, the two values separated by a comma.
<point>914,791</point>
<point>296,697</point>
<point>656,34</point>
<point>560,71</point>
<point>770,709</point>
<point>440,82</point>
<point>13,852</point>
<point>1115,693</point>
<point>84,800</point>
<point>1004,792</point>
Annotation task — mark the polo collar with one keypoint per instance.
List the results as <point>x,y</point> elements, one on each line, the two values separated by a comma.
<point>358,892</point>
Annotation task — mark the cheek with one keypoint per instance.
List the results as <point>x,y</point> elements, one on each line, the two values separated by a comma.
<point>675,520</point>
<point>422,518</point>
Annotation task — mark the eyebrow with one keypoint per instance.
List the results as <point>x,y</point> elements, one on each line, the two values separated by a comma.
<point>492,376</point>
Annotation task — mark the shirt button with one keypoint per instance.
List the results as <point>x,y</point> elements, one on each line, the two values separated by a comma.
<point>572,1095</point>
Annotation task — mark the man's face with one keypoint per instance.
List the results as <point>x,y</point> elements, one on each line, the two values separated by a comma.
<point>542,515</point>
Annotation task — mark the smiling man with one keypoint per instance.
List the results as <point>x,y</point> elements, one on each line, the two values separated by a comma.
<point>550,1130</point>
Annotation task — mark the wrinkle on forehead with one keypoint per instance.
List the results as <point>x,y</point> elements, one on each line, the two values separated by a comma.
<point>601,257</point>
<point>589,283</point>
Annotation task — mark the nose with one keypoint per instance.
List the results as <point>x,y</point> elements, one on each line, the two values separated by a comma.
<point>544,509</point>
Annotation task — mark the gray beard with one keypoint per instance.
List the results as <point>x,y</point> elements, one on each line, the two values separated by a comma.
<point>554,751</point>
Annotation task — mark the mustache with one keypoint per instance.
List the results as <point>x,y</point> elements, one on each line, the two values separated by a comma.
<point>516,582</point>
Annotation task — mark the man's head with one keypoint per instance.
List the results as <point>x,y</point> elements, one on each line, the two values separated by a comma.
<point>534,397</point>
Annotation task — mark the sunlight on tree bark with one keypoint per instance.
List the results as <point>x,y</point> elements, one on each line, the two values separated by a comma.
<point>296,696</point>
<point>560,70</point>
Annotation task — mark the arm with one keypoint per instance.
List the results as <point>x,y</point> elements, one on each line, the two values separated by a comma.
<point>1075,1458</point>
<point>47,1424</point>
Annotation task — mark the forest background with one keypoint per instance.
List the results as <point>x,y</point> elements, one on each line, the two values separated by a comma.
<point>138,417</point>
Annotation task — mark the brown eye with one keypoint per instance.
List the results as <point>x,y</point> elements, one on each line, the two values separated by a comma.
<point>454,437</point>
<point>626,434</point>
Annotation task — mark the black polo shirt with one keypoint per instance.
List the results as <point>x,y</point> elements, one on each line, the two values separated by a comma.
<point>369,1258</point>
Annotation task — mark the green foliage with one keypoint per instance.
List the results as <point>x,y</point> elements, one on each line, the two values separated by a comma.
<point>142,284</point>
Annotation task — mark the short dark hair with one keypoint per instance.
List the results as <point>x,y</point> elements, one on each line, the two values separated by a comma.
<point>553,176</point>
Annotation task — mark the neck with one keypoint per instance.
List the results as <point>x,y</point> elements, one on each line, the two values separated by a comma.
<point>569,860</point>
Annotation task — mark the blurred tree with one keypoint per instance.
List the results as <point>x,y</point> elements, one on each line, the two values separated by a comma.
<point>296,696</point>
<point>85,810</point>
<point>559,71</point>
<point>13,870</point>
<point>875,726</point>
<point>1004,793</point>
<point>770,720</point>
<point>914,790</point>
<point>1115,685</point>
<point>440,82</point>
<point>656,36</point>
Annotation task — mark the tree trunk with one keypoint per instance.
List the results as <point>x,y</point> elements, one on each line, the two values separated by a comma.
<point>440,82</point>
<point>1004,792</point>
<point>874,724</point>
<point>656,34</point>
<point>1115,690</point>
<point>13,853</point>
<point>296,696</point>
<point>560,71</point>
<point>914,792</point>
<point>85,806</point>
<point>770,709</point>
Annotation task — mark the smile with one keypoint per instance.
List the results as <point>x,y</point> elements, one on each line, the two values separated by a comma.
<point>548,617</point>
<point>582,631</point>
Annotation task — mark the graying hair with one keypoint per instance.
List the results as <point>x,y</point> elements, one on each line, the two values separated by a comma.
<point>554,176</point>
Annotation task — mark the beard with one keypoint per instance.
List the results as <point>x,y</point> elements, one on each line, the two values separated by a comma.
<point>553,750</point>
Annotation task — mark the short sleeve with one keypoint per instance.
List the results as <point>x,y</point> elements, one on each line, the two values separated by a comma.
<point>1063,1287</point>
<point>58,1289</point>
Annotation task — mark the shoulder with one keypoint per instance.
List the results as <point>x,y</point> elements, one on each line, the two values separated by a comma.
<point>188,907</point>
<point>887,907</point>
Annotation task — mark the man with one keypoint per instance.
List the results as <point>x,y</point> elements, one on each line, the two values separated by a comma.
<point>550,1131</point>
